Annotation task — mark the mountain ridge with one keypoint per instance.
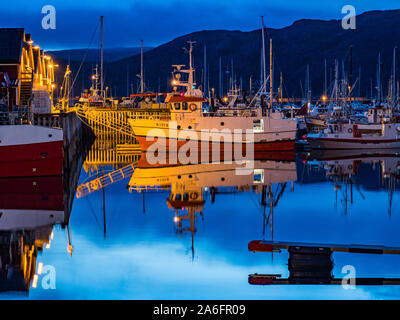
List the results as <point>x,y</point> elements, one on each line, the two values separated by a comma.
<point>305,42</point>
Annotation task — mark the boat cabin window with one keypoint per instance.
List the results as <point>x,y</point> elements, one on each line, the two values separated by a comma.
<point>184,106</point>
<point>185,197</point>
<point>258,125</point>
<point>177,106</point>
<point>178,197</point>
<point>259,176</point>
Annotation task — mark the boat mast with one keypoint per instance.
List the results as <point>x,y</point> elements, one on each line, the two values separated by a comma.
<point>220,78</point>
<point>101,59</point>
<point>141,67</point>
<point>191,71</point>
<point>205,71</point>
<point>263,55</point>
<point>336,81</point>
<point>378,75</point>
<point>270,73</point>
<point>326,81</point>
<point>394,77</point>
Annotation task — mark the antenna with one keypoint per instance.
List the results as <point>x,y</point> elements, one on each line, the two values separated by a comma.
<point>141,67</point>
<point>263,54</point>
<point>101,59</point>
<point>270,73</point>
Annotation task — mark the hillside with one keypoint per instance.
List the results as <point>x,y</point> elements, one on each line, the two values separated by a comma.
<point>305,42</point>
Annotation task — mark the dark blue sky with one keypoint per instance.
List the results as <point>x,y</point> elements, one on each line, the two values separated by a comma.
<point>159,21</point>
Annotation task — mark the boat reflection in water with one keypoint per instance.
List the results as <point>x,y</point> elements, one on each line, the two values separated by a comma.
<point>349,170</point>
<point>29,208</point>
<point>189,184</point>
<point>193,188</point>
<point>312,263</point>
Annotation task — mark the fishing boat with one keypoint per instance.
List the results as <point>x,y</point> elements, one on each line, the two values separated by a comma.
<point>381,131</point>
<point>26,149</point>
<point>187,121</point>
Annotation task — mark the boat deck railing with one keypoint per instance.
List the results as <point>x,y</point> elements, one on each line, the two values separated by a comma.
<point>231,113</point>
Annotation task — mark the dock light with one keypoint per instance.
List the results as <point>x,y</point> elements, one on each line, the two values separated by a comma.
<point>93,77</point>
<point>36,47</point>
<point>34,281</point>
<point>174,82</point>
<point>53,85</point>
<point>176,219</point>
<point>40,268</point>
<point>181,94</point>
<point>47,57</point>
<point>51,66</point>
<point>30,41</point>
<point>225,99</point>
<point>48,245</point>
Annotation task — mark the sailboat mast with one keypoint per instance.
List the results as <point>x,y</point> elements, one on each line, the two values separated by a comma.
<point>205,71</point>
<point>141,67</point>
<point>326,81</point>
<point>220,78</point>
<point>378,76</point>
<point>101,58</point>
<point>394,76</point>
<point>264,72</point>
<point>271,76</point>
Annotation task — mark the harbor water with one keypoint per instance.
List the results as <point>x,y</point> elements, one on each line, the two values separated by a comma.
<point>132,238</point>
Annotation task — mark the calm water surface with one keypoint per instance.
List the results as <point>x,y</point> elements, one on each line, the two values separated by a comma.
<point>183,233</point>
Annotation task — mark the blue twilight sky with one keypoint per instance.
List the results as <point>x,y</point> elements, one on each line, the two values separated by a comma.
<point>158,21</point>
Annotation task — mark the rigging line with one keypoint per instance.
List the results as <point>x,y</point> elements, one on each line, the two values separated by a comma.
<point>84,57</point>
<point>92,212</point>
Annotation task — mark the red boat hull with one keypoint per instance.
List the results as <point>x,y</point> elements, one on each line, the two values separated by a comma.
<point>279,145</point>
<point>29,160</point>
<point>279,150</point>
<point>32,193</point>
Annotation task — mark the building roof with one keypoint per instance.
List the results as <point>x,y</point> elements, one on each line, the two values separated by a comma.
<point>11,42</point>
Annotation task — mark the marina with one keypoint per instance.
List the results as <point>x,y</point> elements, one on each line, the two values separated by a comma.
<point>199,189</point>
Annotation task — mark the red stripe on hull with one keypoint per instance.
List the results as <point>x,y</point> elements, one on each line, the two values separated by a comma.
<point>32,193</point>
<point>284,145</point>
<point>52,184</point>
<point>44,167</point>
<point>34,151</point>
<point>361,141</point>
<point>31,160</point>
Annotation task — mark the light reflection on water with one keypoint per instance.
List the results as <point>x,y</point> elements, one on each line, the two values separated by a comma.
<point>130,243</point>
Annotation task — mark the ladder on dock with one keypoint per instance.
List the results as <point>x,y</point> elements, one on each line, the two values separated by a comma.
<point>101,182</point>
<point>116,120</point>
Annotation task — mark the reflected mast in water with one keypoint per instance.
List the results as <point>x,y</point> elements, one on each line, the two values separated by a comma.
<point>188,184</point>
